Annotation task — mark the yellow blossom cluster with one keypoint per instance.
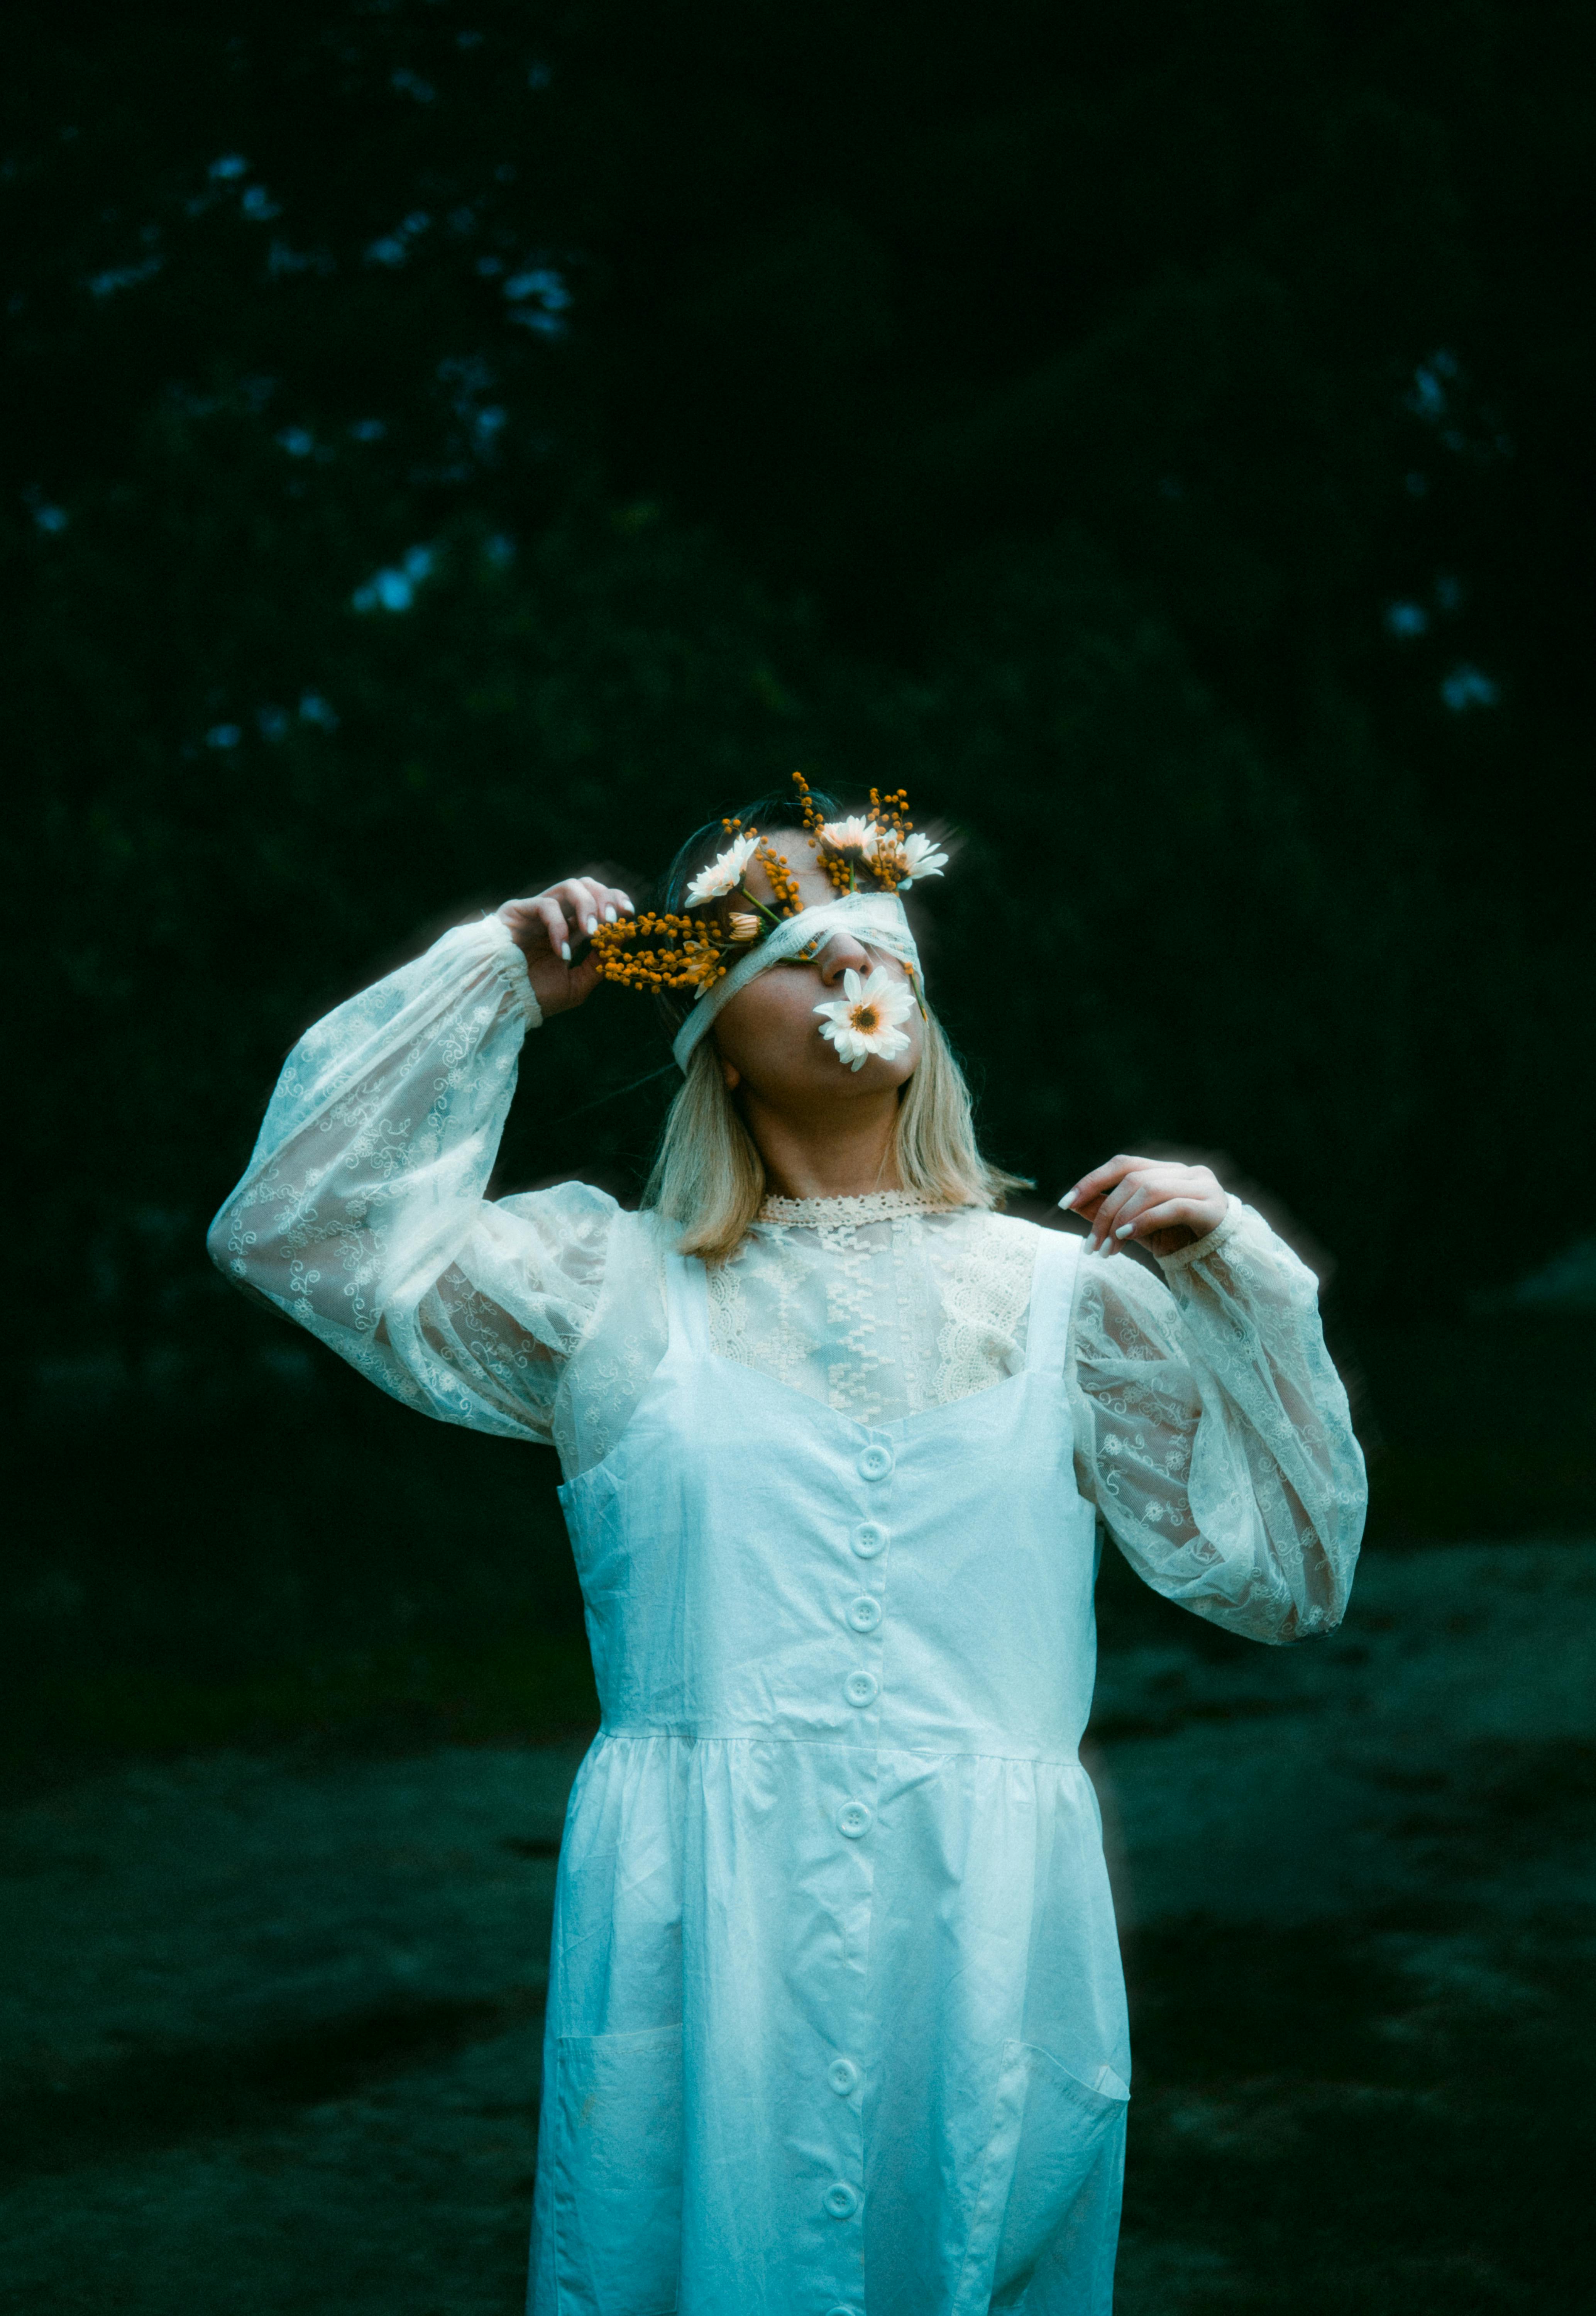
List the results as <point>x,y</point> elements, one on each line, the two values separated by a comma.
<point>784,883</point>
<point>890,815</point>
<point>875,842</point>
<point>653,951</point>
<point>689,950</point>
<point>838,870</point>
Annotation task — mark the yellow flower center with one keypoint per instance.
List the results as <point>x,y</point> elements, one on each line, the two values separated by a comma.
<point>863,1018</point>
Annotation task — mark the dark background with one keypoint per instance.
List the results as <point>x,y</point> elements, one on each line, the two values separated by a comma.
<point>452,444</point>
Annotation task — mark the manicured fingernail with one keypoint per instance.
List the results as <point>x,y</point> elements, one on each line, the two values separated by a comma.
<point>565,950</point>
<point>593,925</point>
<point>1125,1230</point>
<point>1068,1199</point>
<point>609,916</point>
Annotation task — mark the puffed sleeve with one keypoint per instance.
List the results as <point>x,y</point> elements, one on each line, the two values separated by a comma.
<point>362,1214</point>
<point>1213,1433</point>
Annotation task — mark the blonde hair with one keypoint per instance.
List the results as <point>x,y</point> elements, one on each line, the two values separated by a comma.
<point>709,1178</point>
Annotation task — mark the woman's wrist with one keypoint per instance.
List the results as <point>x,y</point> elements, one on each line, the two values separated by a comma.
<point>1211,1241</point>
<point>549,927</point>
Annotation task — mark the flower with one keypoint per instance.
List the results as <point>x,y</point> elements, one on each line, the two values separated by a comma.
<point>722,875</point>
<point>744,928</point>
<point>855,835</point>
<point>784,885</point>
<point>657,952</point>
<point>864,1020</point>
<point>920,858</point>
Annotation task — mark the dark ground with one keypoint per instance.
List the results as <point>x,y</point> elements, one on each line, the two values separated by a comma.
<point>270,2025</point>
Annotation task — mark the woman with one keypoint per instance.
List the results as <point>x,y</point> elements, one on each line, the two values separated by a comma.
<point>835,2019</point>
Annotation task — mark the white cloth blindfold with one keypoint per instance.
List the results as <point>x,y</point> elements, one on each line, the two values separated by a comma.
<point>876,920</point>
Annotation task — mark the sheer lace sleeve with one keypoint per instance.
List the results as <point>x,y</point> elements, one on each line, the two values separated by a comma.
<point>1213,1433</point>
<point>362,1212</point>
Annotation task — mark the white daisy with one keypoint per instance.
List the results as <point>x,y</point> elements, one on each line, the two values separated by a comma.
<point>920,858</point>
<point>722,875</point>
<point>864,1020</point>
<point>855,835</point>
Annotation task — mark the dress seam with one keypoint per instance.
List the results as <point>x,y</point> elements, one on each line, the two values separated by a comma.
<point>874,1752</point>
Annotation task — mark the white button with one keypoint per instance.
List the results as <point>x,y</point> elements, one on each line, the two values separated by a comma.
<point>860,1688</point>
<point>853,1818</point>
<point>841,2201</point>
<point>841,2075</point>
<point>864,1614</point>
<point>869,1537</point>
<point>875,1463</point>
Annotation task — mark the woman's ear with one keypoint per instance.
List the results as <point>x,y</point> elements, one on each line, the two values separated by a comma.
<point>731,1076</point>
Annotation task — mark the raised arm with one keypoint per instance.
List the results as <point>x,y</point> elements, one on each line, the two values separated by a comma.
<point>1211,1429</point>
<point>362,1214</point>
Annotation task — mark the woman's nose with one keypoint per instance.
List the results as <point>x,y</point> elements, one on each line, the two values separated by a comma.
<point>841,952</point>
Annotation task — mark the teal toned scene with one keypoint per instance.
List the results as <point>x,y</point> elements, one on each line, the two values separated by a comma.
<point>802,1504</point>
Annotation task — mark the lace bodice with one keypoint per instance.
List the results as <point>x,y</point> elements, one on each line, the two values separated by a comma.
<point>881,1306</point>
<point>1211,1430</point>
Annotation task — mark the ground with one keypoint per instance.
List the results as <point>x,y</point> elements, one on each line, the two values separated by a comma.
<point>270,2019</point>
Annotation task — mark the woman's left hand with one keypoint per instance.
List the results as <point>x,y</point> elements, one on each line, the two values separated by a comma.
<point>1165,1206</point>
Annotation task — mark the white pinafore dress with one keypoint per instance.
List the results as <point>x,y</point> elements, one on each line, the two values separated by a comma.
<point>836,2025</point>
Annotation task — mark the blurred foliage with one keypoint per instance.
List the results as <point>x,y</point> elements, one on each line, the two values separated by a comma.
<point>454,444</point>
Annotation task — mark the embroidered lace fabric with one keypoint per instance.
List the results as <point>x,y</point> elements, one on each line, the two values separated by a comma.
<point>881,1305</point>
<point>872,1206</point>
<point>1211,1430</point>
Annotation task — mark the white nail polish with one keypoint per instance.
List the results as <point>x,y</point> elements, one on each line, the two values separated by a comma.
<point>565,950</point>
<point>1125,1230</point>
<point>593,926</point>
<point>1068,1199</point>
<point>609,916</point>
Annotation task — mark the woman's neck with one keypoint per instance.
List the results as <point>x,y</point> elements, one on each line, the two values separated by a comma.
<point>844,1155</point>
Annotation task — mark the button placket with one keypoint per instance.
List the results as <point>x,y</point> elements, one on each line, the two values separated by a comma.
<point>861,1618</point>
<point>865,1612</point>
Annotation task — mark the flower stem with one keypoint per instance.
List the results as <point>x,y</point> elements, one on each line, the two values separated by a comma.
<point>745,894</point>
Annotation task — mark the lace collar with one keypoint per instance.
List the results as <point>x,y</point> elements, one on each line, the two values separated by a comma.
<point>874,1207</point>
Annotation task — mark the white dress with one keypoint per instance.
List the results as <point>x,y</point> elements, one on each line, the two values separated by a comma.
<point>836,2020</point>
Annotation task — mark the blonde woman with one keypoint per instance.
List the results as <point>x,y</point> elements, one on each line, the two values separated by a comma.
<point>836,2021</point>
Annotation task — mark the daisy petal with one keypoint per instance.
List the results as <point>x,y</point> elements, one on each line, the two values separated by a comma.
<point>722,874</point>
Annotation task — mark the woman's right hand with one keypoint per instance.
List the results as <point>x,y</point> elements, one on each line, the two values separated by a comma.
<point>548,926</point>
